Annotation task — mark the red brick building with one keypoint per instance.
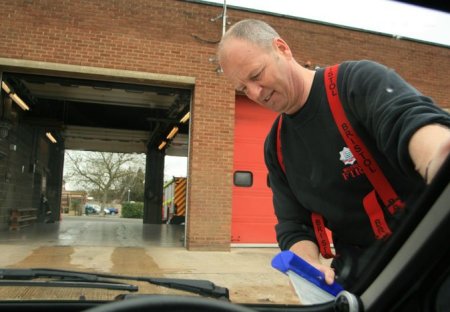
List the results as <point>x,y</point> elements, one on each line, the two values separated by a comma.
<point>173,43</point>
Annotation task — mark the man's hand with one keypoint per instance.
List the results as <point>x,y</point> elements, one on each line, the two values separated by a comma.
<point>309,252</point>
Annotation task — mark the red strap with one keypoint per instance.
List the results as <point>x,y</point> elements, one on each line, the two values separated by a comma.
<point>359,150</point>
<point>376,216</point>
<point>317,219</point>
<point>321,235</point>
<point>279,152</point>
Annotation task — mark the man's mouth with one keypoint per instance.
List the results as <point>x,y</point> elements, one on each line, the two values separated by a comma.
<point>267,98</point>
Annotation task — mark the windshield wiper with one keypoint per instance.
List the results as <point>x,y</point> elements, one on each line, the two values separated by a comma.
<point>195,286</point>
<point>199,287</point>
<point>66,278</point>
<point>59,278</point>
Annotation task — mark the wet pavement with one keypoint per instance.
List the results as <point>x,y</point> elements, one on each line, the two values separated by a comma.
<point>126,246</point>
<point>98,231</point>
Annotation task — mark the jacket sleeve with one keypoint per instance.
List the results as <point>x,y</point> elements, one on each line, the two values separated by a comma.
<point>294,221</point>
<point>389,108</point>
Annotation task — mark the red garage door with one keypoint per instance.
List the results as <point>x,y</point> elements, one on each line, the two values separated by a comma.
<point>253,219</point>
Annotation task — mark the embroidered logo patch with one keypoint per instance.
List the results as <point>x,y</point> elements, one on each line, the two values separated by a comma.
<point>346,156</point>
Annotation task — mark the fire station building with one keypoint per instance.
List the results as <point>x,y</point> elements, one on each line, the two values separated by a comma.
<point>119,76</point>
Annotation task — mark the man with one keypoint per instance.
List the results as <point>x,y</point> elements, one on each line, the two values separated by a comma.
<point>312,171</point>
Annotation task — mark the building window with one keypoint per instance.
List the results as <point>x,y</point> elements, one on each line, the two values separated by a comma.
<point>243,178</point>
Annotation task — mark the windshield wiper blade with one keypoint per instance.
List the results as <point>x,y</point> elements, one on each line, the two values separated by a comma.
<point>59,278</point>
<point>104,280</point>
<point>72,284</point>
<point>199,287</point>
<point>195,286</point>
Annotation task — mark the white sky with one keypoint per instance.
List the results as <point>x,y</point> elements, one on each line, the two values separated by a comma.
<point>175,167</point>
<point>388,17</point>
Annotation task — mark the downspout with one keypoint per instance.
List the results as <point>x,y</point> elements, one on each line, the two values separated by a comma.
<point>224,17</point>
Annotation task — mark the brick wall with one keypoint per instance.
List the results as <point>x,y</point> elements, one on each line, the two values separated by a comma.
<point>177,38</point>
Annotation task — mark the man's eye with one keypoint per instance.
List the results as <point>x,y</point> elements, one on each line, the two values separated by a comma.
<point>255,77</point>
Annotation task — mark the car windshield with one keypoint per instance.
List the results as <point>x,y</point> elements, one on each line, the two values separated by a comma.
<point>130,165</point>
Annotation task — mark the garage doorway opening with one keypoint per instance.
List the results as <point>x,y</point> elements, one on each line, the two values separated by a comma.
<point>95,111</point>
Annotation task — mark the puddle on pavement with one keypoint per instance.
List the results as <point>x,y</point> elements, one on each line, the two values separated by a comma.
<point>133,261</point>
<point>56,257</point>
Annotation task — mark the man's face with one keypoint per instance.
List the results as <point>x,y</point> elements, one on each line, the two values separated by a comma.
<point>265,76</point>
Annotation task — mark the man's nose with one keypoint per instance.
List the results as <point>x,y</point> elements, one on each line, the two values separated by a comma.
<point>253,91</point>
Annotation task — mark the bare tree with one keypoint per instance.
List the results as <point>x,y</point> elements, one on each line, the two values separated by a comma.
<point>131,184</point>
<point>102,172</point>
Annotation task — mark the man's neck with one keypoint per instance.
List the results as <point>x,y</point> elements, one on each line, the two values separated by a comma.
<point>303,82</point>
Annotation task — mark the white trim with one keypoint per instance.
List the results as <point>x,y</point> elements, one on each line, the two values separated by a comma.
<point>89,71</point>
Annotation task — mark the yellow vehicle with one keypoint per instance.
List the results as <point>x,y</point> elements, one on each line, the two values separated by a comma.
<point>174,201</point>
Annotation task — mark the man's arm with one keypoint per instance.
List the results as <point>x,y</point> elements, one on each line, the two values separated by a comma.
<point>429,147</point>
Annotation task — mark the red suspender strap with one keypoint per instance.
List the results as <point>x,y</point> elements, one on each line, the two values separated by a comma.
<point>365,160</point>
<point>317,219</point>
<point>279,153</point>
<point>321,235</point>
<point>376,216</point>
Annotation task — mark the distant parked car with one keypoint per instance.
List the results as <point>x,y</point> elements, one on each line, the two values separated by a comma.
<point>111,210</point>
<point>91,209</point>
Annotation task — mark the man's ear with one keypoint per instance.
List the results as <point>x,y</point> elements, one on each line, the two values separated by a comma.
<point>282,47</point>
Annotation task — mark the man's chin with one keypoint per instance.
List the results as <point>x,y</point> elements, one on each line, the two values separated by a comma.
<point>279,108</point>
<point>273,107</point>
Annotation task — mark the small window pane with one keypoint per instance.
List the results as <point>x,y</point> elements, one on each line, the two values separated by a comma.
<point>243,178</point>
